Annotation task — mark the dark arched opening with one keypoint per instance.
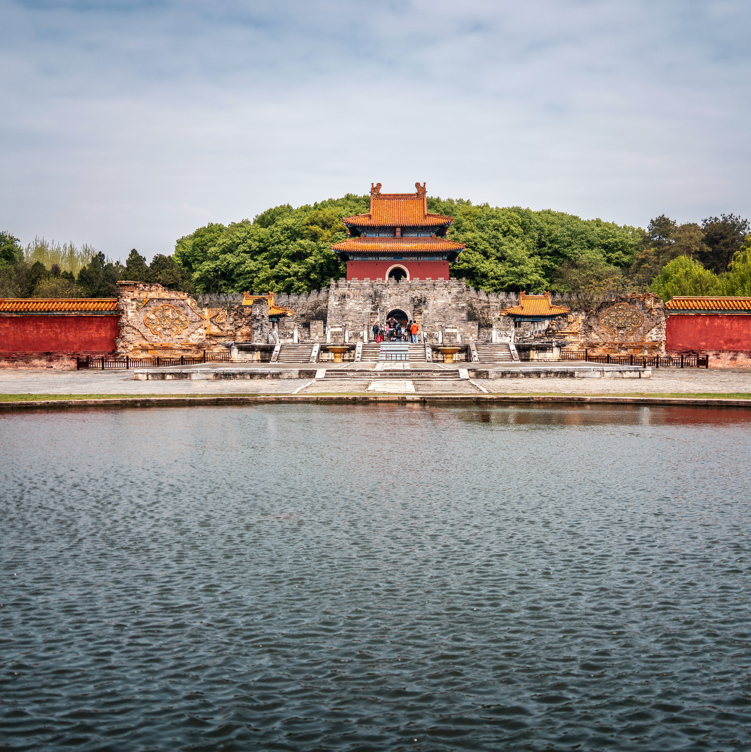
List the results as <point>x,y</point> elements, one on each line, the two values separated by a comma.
<point>397,273</point>
<point>399,315</point>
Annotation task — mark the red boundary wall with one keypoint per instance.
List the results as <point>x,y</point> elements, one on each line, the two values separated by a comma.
<point>721,332</point>
<point>417,269</point>
<point>55,334</point>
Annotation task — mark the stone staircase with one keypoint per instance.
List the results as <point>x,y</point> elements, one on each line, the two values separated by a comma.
<point>294,354</point>
<point>413,374</point>
<point>500,353</point>
<point>397,351</point>
<point>370,352</point>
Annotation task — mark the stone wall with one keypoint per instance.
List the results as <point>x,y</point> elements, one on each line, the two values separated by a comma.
<point>629,324</point>
<point>446,310</point>
<point>155,321</point>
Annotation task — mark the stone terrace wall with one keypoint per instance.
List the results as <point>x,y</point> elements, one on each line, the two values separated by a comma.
<point>628,324</point>
<point>156,321</point>
<point>446,310</point>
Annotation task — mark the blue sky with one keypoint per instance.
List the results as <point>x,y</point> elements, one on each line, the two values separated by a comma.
<point>129,124</point>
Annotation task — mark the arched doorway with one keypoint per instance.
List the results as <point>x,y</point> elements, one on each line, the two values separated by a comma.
<point>399,315</point>
<point>398,273</point>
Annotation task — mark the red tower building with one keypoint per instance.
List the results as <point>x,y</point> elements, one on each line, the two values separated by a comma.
<point>398,238</point>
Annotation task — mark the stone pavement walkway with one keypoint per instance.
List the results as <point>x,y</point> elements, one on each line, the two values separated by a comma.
<point>663,381</point>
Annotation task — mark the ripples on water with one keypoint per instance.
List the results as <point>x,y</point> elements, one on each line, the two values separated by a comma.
<point>303,577</point>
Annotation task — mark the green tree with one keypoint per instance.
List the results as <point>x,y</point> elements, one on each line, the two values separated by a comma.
<point>661,231</point>
<point>67,256</point>
<point>56,286</point>
<point>684,276</point>
<point>737,280</point>
<point>193,250</point>
<point>11,251</point>
<point>723,238</point>
<point>663,241</point>
<point>163,270</point>
<point>37,274</point>
<point>136,268</point>
<point>98,279</point>
<point>591,278</point>
<point>282,250</point>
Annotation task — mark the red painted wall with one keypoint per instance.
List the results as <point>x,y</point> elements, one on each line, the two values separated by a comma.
<point>708,332</point>
<point>417,269</point>
<point>19,334</point>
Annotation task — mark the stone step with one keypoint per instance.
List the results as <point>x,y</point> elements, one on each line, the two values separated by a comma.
<point>294,354</point>
<point>411,375</point>
<point>498,353</point>
<point>414,352</point>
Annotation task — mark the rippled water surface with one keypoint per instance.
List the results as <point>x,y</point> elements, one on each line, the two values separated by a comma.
<point>302,577</point>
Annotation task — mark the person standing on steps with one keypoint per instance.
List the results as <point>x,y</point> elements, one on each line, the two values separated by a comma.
<point>375,331</point>
<point>413,331</point>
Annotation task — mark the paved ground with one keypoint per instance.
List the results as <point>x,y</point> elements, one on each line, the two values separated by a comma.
<point>18,381</point>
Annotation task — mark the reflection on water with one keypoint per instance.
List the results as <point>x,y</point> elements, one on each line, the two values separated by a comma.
<point>301,577</point>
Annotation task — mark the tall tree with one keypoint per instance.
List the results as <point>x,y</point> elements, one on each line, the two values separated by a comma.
<point>11,251</point>
<point>684,276</point>
<point>723,238</point>
<point>136,268</point>
<point>737,280</point>
<point>98,279</point>
<point>661,231</point>
<point>164,271</point>
<point>663,241</point>
<point>193,250</point>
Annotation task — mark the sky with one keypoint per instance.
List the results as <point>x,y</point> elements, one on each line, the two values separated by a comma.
<point>130,124</point>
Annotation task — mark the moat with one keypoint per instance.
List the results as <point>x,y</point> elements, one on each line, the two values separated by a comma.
<point>300,577</point>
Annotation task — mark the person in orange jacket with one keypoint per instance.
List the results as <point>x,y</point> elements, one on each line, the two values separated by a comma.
<point>413,329</point>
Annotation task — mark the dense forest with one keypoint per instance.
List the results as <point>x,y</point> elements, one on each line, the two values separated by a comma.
<point>52,270</point>
<point>507,249</point>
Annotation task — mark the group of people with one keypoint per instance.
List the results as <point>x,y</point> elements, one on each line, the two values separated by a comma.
<point>393,331</point>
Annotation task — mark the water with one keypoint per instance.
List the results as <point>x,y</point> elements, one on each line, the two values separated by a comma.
<point>302,577</point>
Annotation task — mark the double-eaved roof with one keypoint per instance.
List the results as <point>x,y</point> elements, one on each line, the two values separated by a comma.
<point>398,210</point>
<point>708,304</point>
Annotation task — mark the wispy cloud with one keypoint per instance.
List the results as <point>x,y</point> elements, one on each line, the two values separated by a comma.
<point>127,124</point>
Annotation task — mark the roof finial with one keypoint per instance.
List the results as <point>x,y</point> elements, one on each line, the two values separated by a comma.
<point>375,188</point>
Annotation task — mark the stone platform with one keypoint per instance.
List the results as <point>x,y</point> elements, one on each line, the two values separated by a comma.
<point>381,371</point>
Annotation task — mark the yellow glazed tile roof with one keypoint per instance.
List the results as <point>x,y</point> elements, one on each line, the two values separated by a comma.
<point>697,303</point>
<point>274,309</point>
<point>398,244</point>
<point>58,305</point>
<point>398,210</point>
<point>535,305</point>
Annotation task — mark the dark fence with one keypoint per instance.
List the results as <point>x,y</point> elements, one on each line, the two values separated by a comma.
<point>111,364</point>
<point>655,361</point>
<point>394,355</point>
